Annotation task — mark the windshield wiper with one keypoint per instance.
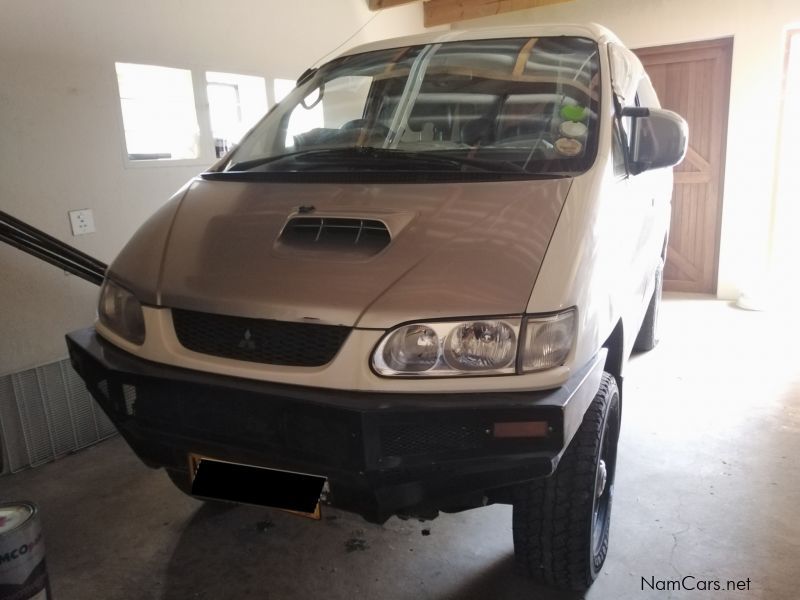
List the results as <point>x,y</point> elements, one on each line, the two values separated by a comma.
<point>380,157</point>
<point>247,165</point>
<point>458,161</point>
<point>384,157</point>
<point>355,156</point>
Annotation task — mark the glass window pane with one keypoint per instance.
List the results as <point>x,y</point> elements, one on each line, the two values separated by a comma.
<point>158,112</point>
<point>525,105</point>
<point>235,103</point>
<point>341,105</point>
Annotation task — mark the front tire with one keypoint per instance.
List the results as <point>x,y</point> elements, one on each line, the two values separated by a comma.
<point>561,523</point>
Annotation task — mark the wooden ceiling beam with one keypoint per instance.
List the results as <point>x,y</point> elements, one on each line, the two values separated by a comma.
<point>379,4</point>
<point>442,12</point>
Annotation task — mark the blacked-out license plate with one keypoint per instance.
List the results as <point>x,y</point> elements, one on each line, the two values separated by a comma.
<point>247,484</point>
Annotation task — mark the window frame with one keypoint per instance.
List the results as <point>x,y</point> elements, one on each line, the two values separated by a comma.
<point>206,155</point>
<point>619,148</point>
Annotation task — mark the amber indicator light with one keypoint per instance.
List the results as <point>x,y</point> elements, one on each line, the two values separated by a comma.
<point>521,429</point>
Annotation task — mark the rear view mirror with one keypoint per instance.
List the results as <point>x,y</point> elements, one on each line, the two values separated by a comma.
<point>659,140</point>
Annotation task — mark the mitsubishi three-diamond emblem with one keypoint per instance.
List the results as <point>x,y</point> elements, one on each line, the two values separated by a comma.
<point>247,342</point>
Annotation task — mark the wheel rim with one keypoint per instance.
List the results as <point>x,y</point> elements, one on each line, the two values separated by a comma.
<point>601,480</point>
<point>604,482</point>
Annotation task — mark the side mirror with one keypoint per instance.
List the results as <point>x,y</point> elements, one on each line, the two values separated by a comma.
<point>659,139</point>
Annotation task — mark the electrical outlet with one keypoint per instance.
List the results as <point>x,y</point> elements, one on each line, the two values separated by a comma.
<point>82,221</point>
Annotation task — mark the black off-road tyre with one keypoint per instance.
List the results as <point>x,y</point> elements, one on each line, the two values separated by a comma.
<point>648,333</point>
<point>561,523</point>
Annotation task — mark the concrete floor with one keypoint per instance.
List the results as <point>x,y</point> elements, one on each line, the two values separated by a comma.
<point>708,486</point>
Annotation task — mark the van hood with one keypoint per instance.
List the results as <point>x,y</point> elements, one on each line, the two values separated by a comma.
<point>448,250</point>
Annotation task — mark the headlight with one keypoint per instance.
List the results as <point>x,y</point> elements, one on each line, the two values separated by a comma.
<point>547,341</point>
<point>121,312</point>
<point>412,348</point>
<point>481,347</point>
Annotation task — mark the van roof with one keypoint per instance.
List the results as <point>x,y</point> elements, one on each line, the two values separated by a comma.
<point>587,30</point>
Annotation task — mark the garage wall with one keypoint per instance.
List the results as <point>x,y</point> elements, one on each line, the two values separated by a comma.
<point>758,53</point>
<point>62,142</point>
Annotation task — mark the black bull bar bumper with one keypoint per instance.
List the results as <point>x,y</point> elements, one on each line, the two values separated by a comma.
<point>383,453</point>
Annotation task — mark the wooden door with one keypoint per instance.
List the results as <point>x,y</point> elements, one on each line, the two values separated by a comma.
<point>694,81</point>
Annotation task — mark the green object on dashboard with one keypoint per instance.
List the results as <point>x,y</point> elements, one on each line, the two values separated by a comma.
<point>573,112</point>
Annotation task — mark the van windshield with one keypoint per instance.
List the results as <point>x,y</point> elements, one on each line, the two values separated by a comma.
<point>501,108</point>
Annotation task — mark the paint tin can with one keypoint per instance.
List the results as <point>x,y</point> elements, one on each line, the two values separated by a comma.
<point>23,573</point>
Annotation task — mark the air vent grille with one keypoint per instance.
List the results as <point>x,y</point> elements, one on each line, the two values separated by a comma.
<point>398,439</point>
<point>46,413</point>
<point>361,236</point>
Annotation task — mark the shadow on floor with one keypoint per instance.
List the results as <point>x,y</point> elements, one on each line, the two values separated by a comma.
<point>228,551</point>
<point>502,581</point>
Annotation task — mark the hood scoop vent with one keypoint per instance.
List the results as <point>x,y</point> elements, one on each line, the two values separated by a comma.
<point>341,235</point>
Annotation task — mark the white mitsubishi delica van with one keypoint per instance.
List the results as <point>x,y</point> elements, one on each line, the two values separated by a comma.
<point>411,288</point>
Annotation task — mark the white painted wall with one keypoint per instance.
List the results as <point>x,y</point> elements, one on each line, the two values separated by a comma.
<point>758,53</point>
<point>62,144</point>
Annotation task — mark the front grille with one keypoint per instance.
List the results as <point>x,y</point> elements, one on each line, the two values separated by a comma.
<point>400,439</point>
<point>259,340</point>
<point>360,236</point>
